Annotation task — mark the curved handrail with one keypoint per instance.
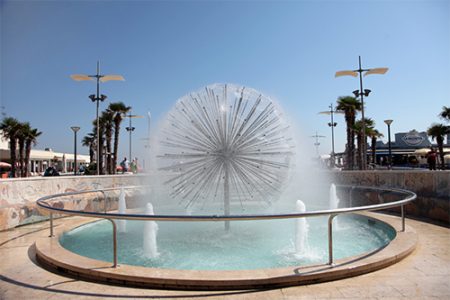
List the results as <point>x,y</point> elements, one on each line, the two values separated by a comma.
<point>198,218</point>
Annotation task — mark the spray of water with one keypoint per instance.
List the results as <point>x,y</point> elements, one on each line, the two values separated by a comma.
<point>150,234</point>
<point>121,224</point>
<point>301,230</point>
<point>225,145</point>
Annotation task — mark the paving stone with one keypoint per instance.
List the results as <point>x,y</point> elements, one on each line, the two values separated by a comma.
<point>422,275</point>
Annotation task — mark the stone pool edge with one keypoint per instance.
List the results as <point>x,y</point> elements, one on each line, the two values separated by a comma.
<point>51,254</point>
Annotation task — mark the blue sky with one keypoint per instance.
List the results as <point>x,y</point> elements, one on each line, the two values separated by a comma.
<point>288,50</point>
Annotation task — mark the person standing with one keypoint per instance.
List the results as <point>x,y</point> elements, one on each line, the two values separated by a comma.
<point>124,164</point>
<point>431,159</point>
<point>133,166</point>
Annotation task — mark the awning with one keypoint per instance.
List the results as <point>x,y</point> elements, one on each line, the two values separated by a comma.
<point>4,165</point>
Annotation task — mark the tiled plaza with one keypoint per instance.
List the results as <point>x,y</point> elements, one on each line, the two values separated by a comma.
<point>425,274</point>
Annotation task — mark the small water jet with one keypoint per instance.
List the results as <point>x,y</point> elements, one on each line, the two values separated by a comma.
<point>334,203</point>
<point>301,230</point>
<point>122,224</point>
<point>150,246</point>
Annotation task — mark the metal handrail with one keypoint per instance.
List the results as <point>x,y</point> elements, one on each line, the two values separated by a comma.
<point>41,202</point>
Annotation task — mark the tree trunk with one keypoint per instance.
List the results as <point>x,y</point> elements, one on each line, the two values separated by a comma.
<point>27,157</point>
<point>12,154</point>
<point>349,150</point>
<point>440,142</point>
<point>117,122</point>
<point>359,150</point>
<point>374,149</point>
<point>109,163</point>
<point>22,168</point>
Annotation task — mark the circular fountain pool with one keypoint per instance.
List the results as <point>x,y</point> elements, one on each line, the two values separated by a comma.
<point>225,174</point>
<point>248,245</point>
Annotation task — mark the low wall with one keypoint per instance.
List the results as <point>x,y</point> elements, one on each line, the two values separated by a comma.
<point>432,189</point>
<point>18,196</point>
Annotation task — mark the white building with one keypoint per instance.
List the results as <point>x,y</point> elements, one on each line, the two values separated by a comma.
<point>41,159</point>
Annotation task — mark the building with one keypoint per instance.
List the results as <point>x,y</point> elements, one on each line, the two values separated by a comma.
<point>42,159</point>
<point>408,149</point>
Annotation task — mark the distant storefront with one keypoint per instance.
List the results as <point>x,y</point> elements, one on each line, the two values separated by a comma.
<point>408,149</point>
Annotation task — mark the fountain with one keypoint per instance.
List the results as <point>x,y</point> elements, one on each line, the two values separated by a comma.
<point>301,231</point>
<point>224,146</point>
<point>122,224</point>
<point>227,150</point>
<point>150,233</point>
<point>334,203</point>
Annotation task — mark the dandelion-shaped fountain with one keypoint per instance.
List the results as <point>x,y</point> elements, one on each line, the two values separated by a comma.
<point>225,144</point>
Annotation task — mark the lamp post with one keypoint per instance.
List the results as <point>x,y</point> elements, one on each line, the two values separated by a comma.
<point>130,129</point>
<point>75,130</point>
<point>317,144</point>
<point>97,97</point>
<point>331,124</point>
<point>361,92</point>
<point>388,123</point>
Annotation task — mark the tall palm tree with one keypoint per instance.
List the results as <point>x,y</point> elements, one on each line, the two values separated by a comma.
<point>359,138</point>
<point>374,135</point>
<point>119,109</point>
<point>445,113</point>
<point>107,121</point>
<point>350,106</point>
<point>90,141</point>
<point>31,139</point>
<point>10,127</point>
<point>22,134</point>
<point>437,132</point>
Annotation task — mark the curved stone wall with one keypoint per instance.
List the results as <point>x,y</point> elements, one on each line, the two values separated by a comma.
<point>432,189</point>
<point>18,196</point>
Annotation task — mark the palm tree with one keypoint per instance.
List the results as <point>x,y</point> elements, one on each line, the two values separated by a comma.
<point>31,139</point>
<point>22,134</point>
<point>349,105</point>
<point>119,109</point>
<point>374,135</point>
<point>437,132</point>
<point>359,139</point>
<point>90,141</point>
<point>10,127</point>
<point>445,113</point>
<point>107,121</point>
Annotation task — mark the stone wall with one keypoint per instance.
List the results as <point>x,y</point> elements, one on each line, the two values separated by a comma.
<point>18,196</point>
<point>432,189</point>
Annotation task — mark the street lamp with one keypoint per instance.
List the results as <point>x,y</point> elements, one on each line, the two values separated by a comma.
<point>75,130</point>
<point>360,93</point>
<point>388,123</point>
<point>98,97</point>
<point>130,129</point>
<point>317,144</point>
<point>331,124</point>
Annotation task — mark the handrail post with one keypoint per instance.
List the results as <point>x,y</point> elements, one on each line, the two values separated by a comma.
<point>51,225</point>
<point>403,217</point>
<point>114,243</point>
<point>330,239</point>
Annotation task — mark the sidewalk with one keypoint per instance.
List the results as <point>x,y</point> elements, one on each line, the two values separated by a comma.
<point>425,274</point>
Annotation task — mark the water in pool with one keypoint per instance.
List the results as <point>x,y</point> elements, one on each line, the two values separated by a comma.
<point>248,244</point>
